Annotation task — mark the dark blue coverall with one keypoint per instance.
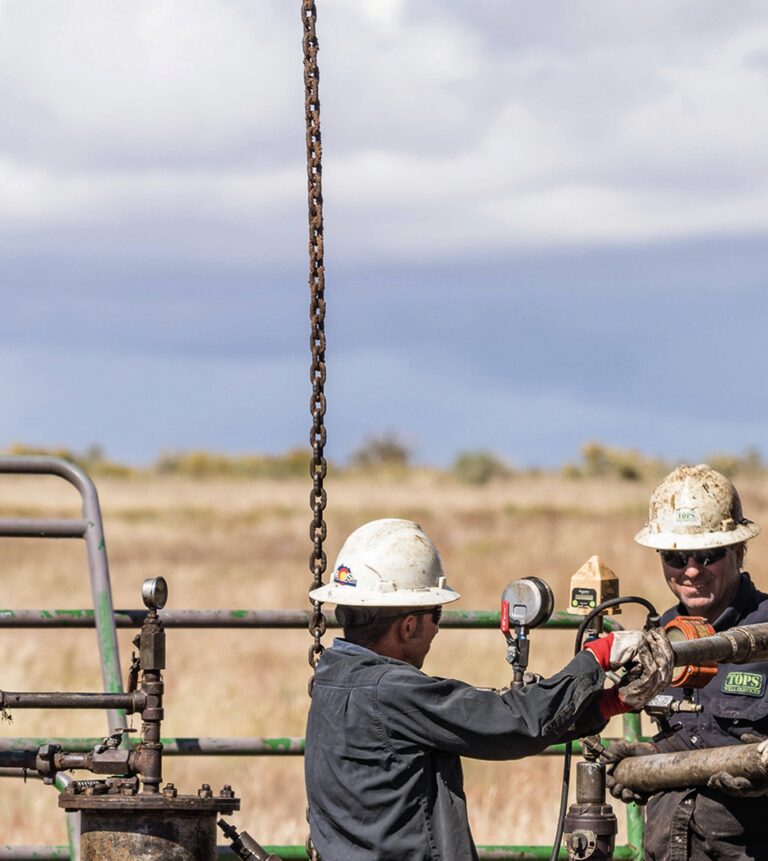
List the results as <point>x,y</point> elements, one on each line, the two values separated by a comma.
<point>384,741</point>
<point>704,824</point>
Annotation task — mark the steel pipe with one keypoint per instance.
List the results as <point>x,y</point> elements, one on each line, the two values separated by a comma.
<point>656,771</point>
<point>738,645</point>
<point>42,528</point>
<point>90,528</point>
<point>192,746</point>
<point>202,746</point>
<point>15,700</point>
<point>236,618</point>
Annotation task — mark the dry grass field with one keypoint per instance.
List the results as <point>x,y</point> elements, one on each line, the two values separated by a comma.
<point>244,544</point>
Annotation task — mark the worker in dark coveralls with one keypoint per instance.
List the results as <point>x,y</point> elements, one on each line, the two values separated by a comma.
<point>384,740</point>
<point>697,526</point>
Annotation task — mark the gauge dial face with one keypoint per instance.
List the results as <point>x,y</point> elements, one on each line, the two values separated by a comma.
<point>530,601</point>
<point>154,592</point>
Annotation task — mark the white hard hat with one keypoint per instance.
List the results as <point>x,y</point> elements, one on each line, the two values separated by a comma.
<point>387,563</point>
<point>695,507</point>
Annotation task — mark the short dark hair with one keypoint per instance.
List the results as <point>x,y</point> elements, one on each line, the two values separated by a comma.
<point>741,551</point>
<point>367,626</point>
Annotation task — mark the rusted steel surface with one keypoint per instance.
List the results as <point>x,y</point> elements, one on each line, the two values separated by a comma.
<point>118,836</point>
<point>739,645</point>
<point>149,827</point>
<point>56,700</point>
<point>689,767</point>
<point>158,804</point>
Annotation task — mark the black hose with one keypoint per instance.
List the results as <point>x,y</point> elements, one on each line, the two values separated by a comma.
<point>652,621</point>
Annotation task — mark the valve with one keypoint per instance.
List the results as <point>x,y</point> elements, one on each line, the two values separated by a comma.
<point>113,741</point>
<point>244,845</point>
<point>590,826</point>
<point>525,604</point>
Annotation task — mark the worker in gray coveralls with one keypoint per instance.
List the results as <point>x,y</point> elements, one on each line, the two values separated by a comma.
<point>697,526</point>
<point>384,740</point>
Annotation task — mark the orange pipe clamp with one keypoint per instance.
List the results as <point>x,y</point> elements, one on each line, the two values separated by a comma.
<point>691,628</point>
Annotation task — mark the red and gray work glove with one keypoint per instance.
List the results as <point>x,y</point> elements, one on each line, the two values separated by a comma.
<point>742,787</point>
<point>649,662</point>
<point>613,756</point>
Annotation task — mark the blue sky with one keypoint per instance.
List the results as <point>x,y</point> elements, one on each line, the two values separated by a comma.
<point>543,225</point>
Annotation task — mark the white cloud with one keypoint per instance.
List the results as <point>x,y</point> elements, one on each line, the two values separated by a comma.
<point>445,130</point>
<point>174,82</point>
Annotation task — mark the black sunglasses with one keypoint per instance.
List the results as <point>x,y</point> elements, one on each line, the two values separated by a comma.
<point>679,558</point>
<point>435,612</point>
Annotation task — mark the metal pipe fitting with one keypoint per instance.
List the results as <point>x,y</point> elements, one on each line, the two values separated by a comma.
<point>735,646</point>
<point>652,772</point>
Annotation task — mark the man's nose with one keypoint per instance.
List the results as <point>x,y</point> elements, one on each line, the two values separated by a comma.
<point>692,567</point>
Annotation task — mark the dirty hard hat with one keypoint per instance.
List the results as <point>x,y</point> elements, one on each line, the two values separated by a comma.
<point>695,507</point>
<point>387,563</point>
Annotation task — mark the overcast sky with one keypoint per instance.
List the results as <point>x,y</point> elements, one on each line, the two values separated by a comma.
<point>545,223</point>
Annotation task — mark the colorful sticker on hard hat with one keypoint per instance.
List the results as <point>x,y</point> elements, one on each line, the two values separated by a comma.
<point>344,576</point>
<point>688,516</point>
<point>746,684</point>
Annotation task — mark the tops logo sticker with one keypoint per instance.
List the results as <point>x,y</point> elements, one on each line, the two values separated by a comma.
<point>746,684</point>
<point>688,516</point>
<point>343,576</point>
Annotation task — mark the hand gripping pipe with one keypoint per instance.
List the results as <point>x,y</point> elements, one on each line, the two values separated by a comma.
<point>653,772</point>
<point>690,767</point>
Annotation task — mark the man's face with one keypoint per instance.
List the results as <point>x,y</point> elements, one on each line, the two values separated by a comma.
<point>705,587</point>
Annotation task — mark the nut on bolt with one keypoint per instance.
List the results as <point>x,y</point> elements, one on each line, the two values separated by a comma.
<point>170,791</point>
<point>227,791</point>
<point>205,791</point>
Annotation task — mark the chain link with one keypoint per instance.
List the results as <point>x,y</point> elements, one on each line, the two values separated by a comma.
<point>318,467</point>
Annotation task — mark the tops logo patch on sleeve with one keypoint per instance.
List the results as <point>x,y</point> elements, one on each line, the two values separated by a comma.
<point>745,684</point>
<point>343,576</point>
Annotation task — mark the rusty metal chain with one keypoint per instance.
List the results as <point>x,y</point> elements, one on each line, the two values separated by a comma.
<point>318,467</point>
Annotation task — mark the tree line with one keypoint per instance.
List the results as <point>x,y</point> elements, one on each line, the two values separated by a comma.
<point>389,455</point>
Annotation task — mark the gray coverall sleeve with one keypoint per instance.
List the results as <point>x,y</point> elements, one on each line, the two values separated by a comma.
<point>453,716</point>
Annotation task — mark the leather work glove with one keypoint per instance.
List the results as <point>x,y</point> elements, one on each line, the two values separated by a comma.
<point>650,670</point>
<point>742,787</point>
<point>613,756</point>
<point>615,649</point>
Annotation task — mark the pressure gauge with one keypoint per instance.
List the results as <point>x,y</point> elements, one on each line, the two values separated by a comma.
<point>154,592</point>
<point>527,603</point>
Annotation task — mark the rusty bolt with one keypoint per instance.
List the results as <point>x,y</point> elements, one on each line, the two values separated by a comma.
<point>170,791</point>
<point>227,791</point>
<point>205,791</point>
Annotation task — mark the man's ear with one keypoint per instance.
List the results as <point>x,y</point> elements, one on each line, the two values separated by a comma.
<point>407,627</point>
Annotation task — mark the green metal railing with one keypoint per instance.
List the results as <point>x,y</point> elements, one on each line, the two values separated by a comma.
<point>286,745</point>
<point>106,620</point>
